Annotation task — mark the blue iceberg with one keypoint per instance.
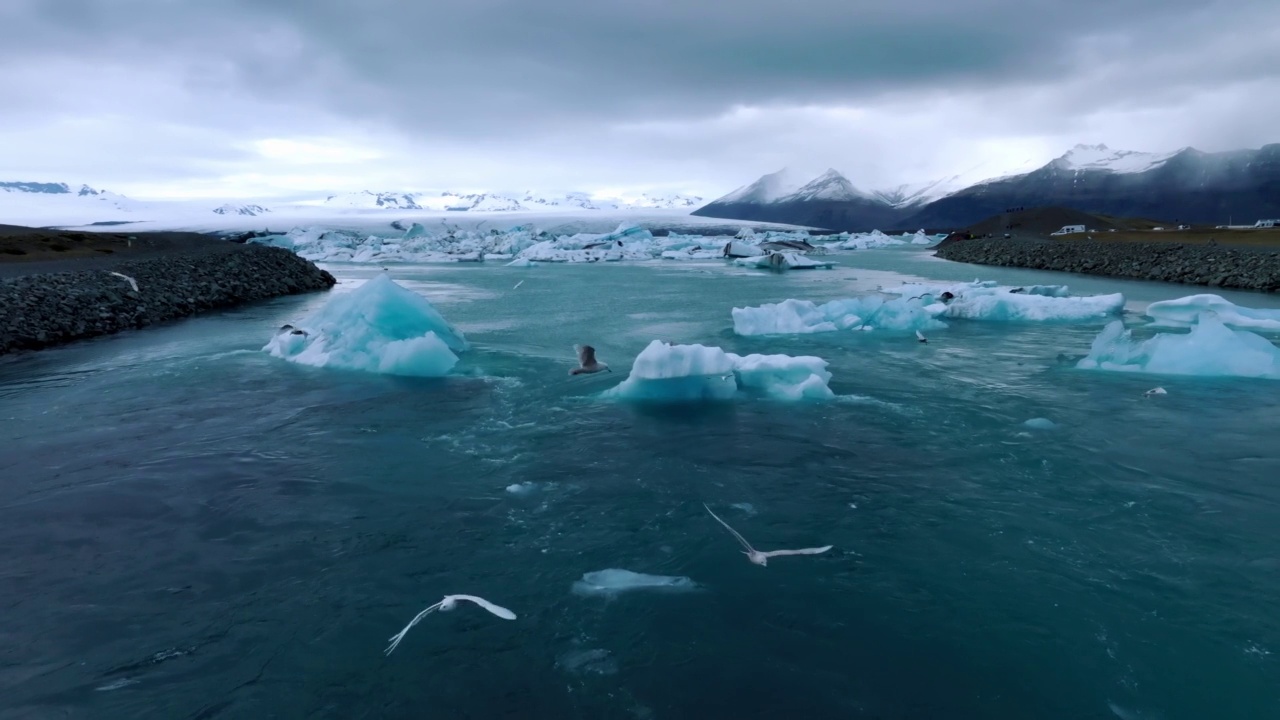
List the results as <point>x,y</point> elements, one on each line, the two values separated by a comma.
<point>1211,349</point>
<point>379,327</point>
<point>691,373</point>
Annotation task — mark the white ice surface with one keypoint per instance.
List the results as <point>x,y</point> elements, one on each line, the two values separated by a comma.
<point>1210,349</point>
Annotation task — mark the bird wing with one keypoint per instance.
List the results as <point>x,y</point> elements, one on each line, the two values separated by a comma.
<point>498,610</point>
<point>395,639</point>
<point>741,539</point>
<point>586,354</point>
<point>919,334</point>
<point>802,551</point>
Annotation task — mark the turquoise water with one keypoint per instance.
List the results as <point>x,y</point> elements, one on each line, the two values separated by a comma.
<point>193,529</point>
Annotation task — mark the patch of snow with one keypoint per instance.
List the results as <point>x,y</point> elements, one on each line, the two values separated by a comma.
<point>1101,157</point>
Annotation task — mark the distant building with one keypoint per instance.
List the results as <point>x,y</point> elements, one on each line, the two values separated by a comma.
<point>1267,224</point>
<point>1068,229</point>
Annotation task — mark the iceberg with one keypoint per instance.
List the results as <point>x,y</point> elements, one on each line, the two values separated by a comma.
<point>614,581</point>
<point>379,327</point>
<point>985,300</point>
<point>691,373</point>
<point>782,261</point>
<point>1211,349</point>
<point>860,313</point>
<point>1185,310</point>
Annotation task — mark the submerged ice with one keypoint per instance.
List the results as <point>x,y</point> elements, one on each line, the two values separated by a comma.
<point>614,581</point>
<point>686,373</point>
<point>378,327</point>
<point>1210,349</point>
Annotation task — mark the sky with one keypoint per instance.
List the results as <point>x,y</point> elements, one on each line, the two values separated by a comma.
<point>296,98</point>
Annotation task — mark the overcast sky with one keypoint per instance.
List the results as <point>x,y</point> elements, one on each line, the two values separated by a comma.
<point>289,98</point>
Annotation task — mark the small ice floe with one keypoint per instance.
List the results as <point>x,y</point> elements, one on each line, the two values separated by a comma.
<point>517,285</point>
<point>1155,391</point>
<point>745,507</point>
<point>596,661</point>
<point>762,558</point>
<point>1210,349</point>
<point>614,581</point>
<point>524,488</point>
<point>449,603</point>
<point>1040,424</point>
<point>117,684</point>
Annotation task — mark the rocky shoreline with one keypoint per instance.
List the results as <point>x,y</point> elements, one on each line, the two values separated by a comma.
<point>1243,269</point>
<point>39,310</point>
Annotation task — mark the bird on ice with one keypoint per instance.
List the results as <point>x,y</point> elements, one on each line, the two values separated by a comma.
<point>132,283</point>
<point>587,361</point>
<point>1155,391</point>
<point>920,336</point>
<point>762,558</point>
<point>449,603</point>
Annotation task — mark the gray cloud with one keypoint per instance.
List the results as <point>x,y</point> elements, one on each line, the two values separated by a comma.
<point>648,86</point>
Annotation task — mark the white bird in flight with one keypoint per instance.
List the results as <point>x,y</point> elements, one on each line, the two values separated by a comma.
<point>1155,391</point>
<point>518,284</point>
<point>448,603</point>
<point>762,558</point>
<point>132,283</point>
<point>920,336</point>
<point>587,361</point>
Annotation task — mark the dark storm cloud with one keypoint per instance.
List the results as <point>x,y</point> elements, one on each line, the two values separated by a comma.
<point>473,67</point>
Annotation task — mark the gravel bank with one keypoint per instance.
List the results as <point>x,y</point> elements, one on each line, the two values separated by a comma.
<point>41,309</point>
<point>1242,269</point>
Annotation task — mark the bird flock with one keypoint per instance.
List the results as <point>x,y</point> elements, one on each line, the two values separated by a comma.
<point>450,602</point>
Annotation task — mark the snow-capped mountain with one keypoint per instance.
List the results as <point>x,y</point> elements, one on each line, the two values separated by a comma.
<point>1185,185</point>
<point>249,210</point>
<point>369,200</point>
<point>1101,157</point>
<point>830,186</point>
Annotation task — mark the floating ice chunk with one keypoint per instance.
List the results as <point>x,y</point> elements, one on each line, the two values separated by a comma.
<point>1185,310</point>
<point>868,312</point>
<point>523,488</point>
<point>1040,424</point>
<point>522,262</point>
<point>686,373</point>
<point>1020,307</point>
<point>977,287</point>
<point>379,327</point>
<point>740,249</point>
<point>782,261</point>
<point>1210,349</point>
<point>783,377</point>
<point>614,581</point>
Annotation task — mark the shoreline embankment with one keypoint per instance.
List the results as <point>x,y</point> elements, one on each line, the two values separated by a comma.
<point>1209,265</point>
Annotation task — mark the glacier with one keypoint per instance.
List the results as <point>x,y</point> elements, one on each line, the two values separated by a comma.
<point>690,373</point>
<point>1210,349</point>
<point>1185,310</point>
<point>613,581</point>
<point>379,327</point>
<point>524,242</point>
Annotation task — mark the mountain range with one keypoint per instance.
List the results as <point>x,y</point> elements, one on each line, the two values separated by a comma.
<point>1186,185</point>
<point>60,202</point>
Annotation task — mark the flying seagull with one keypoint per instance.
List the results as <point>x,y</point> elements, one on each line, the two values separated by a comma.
<point>920,336</point>
<point>132,283</point>
<point>518,284</point>
<point>587,361</point>
<point>762,558</point>
<point>1155,391</point>
<point>448,603</point>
